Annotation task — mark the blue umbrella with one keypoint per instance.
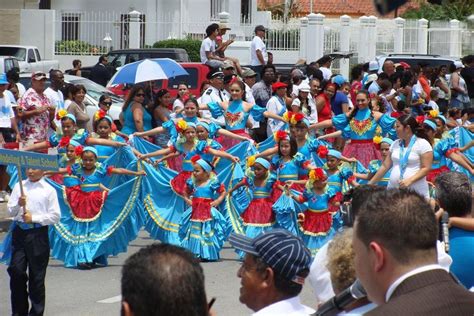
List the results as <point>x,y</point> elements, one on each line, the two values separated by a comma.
<point>148,70</point>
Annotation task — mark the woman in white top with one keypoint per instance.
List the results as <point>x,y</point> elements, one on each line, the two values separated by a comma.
<point>410,158</point>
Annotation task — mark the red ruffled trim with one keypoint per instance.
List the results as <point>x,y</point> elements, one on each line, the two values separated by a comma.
<point>178,183</point>
<point>259,211</point>
<point>201,209</point>
<point>434,173</point>
<point>317,222</point>
<point>85,205</point>
<point>450,151</point>
<point>109,170</point>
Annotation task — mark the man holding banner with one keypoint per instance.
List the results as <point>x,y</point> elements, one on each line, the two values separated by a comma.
<point>33,205</point>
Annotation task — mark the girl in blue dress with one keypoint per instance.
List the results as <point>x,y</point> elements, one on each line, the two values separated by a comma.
<point>236,112</point>
<point>94,223</point>
<point>256,214</point>
<point>188,146</point>
<point>103,130</point>
<point>375,165</point>
<point>202,229</point>
<point>316,223</point>
<point>359,126</point>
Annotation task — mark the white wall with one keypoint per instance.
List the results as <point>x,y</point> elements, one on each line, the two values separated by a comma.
<point>241,50</point>
<point>37,29</point>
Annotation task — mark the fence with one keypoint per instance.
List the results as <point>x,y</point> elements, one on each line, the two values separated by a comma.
<point>93,33</point>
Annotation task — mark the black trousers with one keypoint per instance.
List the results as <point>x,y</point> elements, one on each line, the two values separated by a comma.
<point>30,249</point>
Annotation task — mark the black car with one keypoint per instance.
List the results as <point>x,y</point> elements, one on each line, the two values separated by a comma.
<point>118,58</point>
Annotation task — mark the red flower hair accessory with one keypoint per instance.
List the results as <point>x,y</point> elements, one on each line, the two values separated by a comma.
<point>322,151</point>
<point>420,119</point>
<point>99,115</point>
<point>64,141</point>
<point>281,135</point>
<point>78,151</point>
<point>195,158</point>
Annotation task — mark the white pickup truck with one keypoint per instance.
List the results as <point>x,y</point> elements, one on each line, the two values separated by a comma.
<point>29,58</point>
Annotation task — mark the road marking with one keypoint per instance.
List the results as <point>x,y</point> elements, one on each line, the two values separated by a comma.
<point>111,300</point>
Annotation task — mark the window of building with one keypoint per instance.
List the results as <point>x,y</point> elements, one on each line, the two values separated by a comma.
<point>70,26</point>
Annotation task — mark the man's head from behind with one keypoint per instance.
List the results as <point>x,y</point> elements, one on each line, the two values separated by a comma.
<point>453,193</point>
<point>394,233</point>
<point>274,268</point>
<point>162,279</point>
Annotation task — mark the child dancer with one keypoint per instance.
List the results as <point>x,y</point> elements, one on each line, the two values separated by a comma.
<point>76,239</point>
<point>103,130</point>
<point>374,165</point>
<point>203,228</point>
<point>316,222</point>
<point>257,216</point>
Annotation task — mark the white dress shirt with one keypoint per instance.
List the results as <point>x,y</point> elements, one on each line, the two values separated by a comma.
<point>41,202</point>
<point>398,281</point>
<point>212,94</point>
<point>289,307</point>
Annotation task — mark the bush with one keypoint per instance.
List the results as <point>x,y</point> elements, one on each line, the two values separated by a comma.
<point>190,45</point>
<point>78,48</point>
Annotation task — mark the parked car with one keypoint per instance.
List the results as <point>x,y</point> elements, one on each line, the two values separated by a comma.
<point>29,58</point>
<point>7,63</point>
<point>118,58</point>
<point>197,74</point>
<point>94,92</point>
<point>417,59</point>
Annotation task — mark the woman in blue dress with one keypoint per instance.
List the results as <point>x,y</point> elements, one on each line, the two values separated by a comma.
<point>316,223</point>
<point>359,126</point>
<point>94,223</point>
<point>236,112</point>
<point>134,115</point>
<point>203,228</point>
<point>374,165</point>
<point>256,213</point>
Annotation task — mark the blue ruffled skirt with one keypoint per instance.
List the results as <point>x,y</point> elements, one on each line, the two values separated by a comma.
<point>203,239</point>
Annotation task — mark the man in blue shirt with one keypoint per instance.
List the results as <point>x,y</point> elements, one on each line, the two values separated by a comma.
<point>453,194</point>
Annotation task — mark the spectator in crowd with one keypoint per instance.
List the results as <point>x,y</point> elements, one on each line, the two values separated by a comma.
<point>78,108</point>
<point>162,279</point>
<point>315,88</point>
<point>221,45</point>
<point>374,87</point>
<point>135,117</point>
<point>398,266</point>
<point>277,105</point>
<point>339,102</point>
<point>35,111</point>
<point>54,93</point>
<point>228,68</point>
<point>9,132</point>
<point>323,101</point>
<point>434,97</point>
<point>459,96</point>
<point>262,92</point>
<point>340,256</point>
<point>273,272</point>
<point>249,77</point>
<point>453,194</point>
<point>468,74</point>
<point>258,50</point>
<point>388,67</point>
<point>441,85</point>
<point>183,95</point>
<point>76,68</point>
<point>297,77</point>
<point>324,65</point>
<point>411,157</point>
<point>33,208</point>
<point>356,81</point>
<point>208,48</point>
<point>13,78</point>
<point>215,93</point>
<point>372,69</point>
<point>426,72</point>
<point>99,73</point>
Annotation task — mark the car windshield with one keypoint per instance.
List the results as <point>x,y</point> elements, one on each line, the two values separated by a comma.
<point>19,53</point>
<point>96,91</point>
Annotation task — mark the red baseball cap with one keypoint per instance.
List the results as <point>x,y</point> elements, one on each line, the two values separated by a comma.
<point>278,85</point>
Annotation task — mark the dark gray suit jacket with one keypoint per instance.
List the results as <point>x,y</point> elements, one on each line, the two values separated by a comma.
<point>429,293</point>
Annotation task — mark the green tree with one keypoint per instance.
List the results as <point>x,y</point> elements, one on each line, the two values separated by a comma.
<point>454,9</point>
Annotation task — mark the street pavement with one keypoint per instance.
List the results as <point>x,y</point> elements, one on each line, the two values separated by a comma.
<point>75,292</point>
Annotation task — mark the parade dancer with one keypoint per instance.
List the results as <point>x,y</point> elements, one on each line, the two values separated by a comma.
<point>203,228</point>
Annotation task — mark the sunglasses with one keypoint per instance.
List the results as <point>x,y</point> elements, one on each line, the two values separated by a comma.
<point>140,95</point>
<point>107,103</point>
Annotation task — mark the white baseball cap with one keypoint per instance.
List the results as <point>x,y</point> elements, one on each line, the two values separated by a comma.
<point>373,65</point>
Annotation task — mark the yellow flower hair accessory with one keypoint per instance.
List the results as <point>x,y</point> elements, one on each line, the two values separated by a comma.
<point>61,113</point>
<point>433,113</point>
<point>377,139</point>
<point>251,161</point>
<point>181,126</point>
